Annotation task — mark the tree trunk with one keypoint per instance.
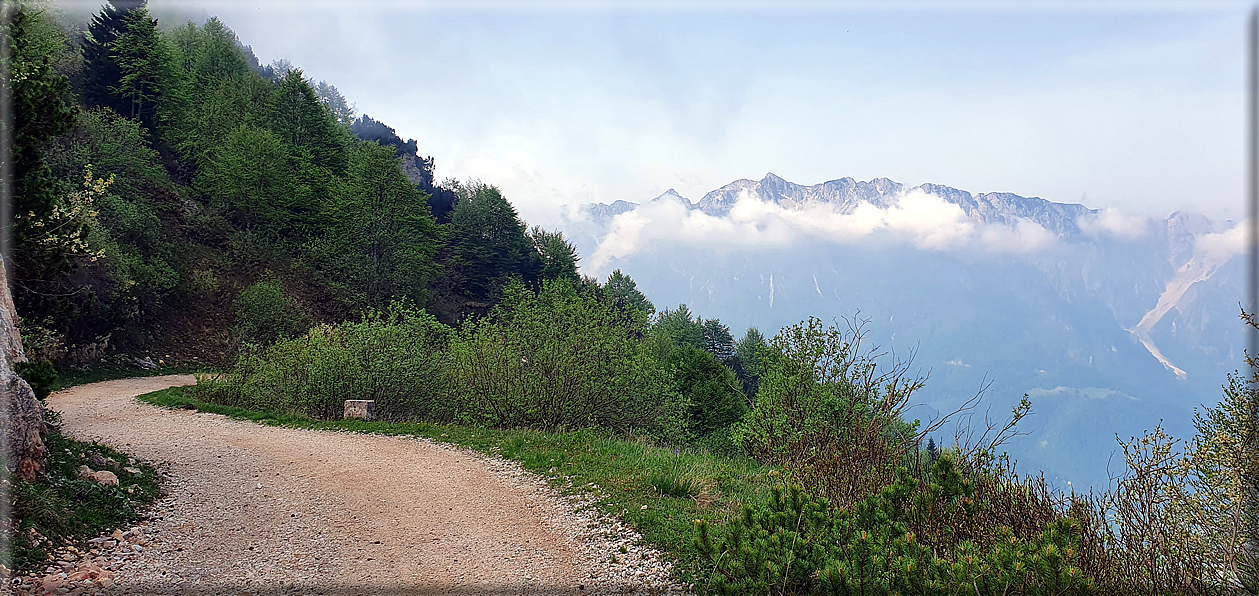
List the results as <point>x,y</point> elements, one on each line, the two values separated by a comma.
<point>21,414</point>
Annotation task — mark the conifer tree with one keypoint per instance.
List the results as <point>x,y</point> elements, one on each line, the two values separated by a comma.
<point>102,73</point>
<point>144,65</point>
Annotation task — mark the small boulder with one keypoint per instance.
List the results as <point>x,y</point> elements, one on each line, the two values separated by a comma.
<point>100,477</point>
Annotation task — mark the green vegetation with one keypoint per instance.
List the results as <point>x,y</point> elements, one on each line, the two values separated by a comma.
<point>175,197</point>
<point>64,510</point>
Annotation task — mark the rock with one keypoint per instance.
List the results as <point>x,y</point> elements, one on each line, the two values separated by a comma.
<point>100,461</point>
<point>100,477</point>
<point>22,425</point>
<point>131,470</point>
<point>362,409</point>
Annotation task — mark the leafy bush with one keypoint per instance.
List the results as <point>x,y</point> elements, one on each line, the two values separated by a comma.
<point>829,414</point>
<point>394,357</point>
<point>558,359</point>
<point>41,375</point>
<point>711,389</point>
<point>264,314</point>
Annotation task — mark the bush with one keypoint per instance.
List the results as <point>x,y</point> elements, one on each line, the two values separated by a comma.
<point>265,314</point>
<point>798,544</point>
<point>557,359</point>
<point>829,413</point>
<point>41,375</point>
<point>394,357</point>
<point>710,388</point>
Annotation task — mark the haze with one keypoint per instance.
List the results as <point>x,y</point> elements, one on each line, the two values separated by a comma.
<point>1138,107</point>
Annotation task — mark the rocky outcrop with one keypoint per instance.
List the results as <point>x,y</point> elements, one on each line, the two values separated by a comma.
<point>21,415</point>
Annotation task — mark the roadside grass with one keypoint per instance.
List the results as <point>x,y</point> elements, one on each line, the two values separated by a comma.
<point>63,511</point>
<point>106,371</point>
<point>658,491</point>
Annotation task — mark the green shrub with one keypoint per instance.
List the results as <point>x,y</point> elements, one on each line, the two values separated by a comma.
<point>558,360</point>
<point>710,388</point>
<point>799,544</point>
<point>829,412</point>
<point>41,375</point>
<point>265,314</point>
<point>394,357</point>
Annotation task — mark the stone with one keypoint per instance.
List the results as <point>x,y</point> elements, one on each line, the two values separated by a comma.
<point>131,470</point>
<point>360,409</point>
<point>100,477</point>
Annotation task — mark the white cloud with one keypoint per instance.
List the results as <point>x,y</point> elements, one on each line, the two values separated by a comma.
<point>922,220</point>
<point>1116,223</point>
<point>1221,246</point>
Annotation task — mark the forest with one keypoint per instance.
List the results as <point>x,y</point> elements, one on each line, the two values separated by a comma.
<point>174,201</point>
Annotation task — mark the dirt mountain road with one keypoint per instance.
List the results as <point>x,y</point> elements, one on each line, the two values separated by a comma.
<point>260,509</point>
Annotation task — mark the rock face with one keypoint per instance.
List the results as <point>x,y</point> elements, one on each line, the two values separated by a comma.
<point>21,416</point>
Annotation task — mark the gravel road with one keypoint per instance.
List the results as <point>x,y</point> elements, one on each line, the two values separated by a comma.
<point>267,510</point>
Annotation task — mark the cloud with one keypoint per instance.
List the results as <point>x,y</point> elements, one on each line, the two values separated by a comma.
<point>1221,246</point>
<point>1116,223</point>
<point>922,220</point>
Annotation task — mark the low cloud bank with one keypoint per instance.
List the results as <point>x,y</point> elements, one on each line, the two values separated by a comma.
<point>1115,223</point>
<point>922,220</point>
<point>1222,246</point>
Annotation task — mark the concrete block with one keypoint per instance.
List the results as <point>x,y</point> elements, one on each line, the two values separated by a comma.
<point>362,409</point>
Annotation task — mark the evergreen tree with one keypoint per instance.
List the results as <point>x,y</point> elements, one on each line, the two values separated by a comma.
<point>304,121</point>
<point>144,64</point>
<point>625,295</point>
<point>558,256</point>
<point>382,240</point>
<point>41,111</point>
<point>102,73</point>
<point>489,241</point>
<point>717,339</point>
<point>679,328</point>
<point>747,361</point>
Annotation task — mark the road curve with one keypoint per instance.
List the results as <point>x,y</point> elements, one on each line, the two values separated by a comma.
<point>259,509</point>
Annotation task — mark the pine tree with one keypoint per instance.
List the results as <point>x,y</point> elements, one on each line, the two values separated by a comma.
<point>144,65</point>
<point>41,111</point>
<point>102,72</point>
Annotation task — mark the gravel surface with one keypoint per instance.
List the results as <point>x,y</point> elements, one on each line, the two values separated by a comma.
<point>266,510</point>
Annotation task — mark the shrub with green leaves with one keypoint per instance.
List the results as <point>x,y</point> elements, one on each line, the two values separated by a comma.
<point>264,314</point>
<point>41,375</point>
<point>559,359</point>
<point>829,411</point>
<point>394,357</point>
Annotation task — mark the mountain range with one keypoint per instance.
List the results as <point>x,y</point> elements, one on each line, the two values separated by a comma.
<point>1112,324</point>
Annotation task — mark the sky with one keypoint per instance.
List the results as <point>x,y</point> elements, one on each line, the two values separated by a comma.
<point>1132,106</point>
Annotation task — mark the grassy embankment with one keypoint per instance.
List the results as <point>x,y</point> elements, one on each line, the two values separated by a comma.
<point>677,487</point>
<point>63,511</point>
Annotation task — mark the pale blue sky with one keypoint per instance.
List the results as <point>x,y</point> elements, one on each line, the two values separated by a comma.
<point>1135,106</point>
